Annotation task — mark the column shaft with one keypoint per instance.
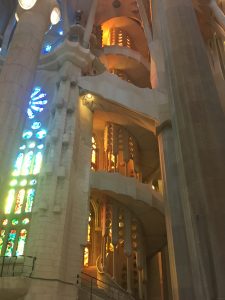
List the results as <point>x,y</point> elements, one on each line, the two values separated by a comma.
<point>199,127</point>
<point>16,80</point>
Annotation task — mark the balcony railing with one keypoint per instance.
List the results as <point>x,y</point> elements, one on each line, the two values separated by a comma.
<point>16,266</point>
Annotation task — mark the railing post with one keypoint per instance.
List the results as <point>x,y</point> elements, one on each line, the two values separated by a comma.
<point>3,261</point>
<point>91,290</point>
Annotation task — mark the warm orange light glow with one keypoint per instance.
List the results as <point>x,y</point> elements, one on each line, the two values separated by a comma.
<point>106,37</point>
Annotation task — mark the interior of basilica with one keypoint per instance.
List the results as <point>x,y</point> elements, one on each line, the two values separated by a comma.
<point>112,149</point>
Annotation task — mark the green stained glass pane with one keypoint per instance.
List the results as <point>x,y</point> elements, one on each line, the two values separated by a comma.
<point>30,199</point>
<point>25,221</point>
<point>15,222</point>
<point>27,164</point>
<point>19,201</point>
<point>23,182</point>
<point>5,222</point>
<point>33,182</point>
<point>18,164</point>
<point>37,164</point>
<point>10,243</point>
<point>2,236</point>
<point>21,242</point>
<point>9,201</point>
<point>13,182</point>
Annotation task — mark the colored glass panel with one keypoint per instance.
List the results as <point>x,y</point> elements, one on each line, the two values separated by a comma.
<point>9,201</point>
<point>31,145</point>
<point>23,182</point>
<point>2,237</point>
<point>21,242</point>
<point>33,182</point>
<point>37,163</point>
<point>5,222</point>
<point>36,125</point>
<point>19,201</point>
<point>27,134</point>
<point>15,222</point>
<point>27,164</point>
<point>30,199</point>
<point>41,134</point>
<point>25,221</point>
<point>10,243</point>
<point>13,182</point>
<point>40,146</point>
<point>18,164</point>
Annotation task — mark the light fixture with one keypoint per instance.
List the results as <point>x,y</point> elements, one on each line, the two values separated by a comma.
<point>89,97</point>
<point>61,32</point>
<point>55,16</point>
<point>27,4</point>
<point>88,100</point>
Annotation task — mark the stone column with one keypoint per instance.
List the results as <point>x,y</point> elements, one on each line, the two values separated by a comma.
<point>17,77</point>
<point>90,23</point>
<point>58,230</point>
<point>199,127</point>
<point>179,255</point>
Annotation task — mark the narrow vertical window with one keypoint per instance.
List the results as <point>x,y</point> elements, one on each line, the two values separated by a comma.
<point>24,179</point>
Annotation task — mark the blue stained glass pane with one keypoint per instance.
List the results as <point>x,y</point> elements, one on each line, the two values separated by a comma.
<point>41,102</point>
<point>40,146</point>
<point>36,108</point>
<point>36,91</point>
<point>30,113</point>
<point>18,164</point>
<point>40,96</point>
<point>41,134</point>
<point>27,134</point>
<point>36,125</point>
<point>23,147</point>
<point>37,101</point>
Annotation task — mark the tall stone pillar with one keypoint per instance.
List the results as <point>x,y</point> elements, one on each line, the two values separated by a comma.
<point>58,230</point>
<point>90,23</point>
<point>179,255</point>
<point>17,76</point>
<point>199,127</point>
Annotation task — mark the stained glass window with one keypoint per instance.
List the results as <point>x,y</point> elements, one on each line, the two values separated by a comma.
<point>21,242</point>
<point>10,243</point>
<point>94,154</point>
<point>24,179</point>
<point>2,236</point>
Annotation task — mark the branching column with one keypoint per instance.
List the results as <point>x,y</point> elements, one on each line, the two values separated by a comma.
<point>17,76</point>
<point>199,127</point>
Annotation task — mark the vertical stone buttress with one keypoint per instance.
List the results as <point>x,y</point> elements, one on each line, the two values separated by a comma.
<point>199,127</point>
<point>59,223</point>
